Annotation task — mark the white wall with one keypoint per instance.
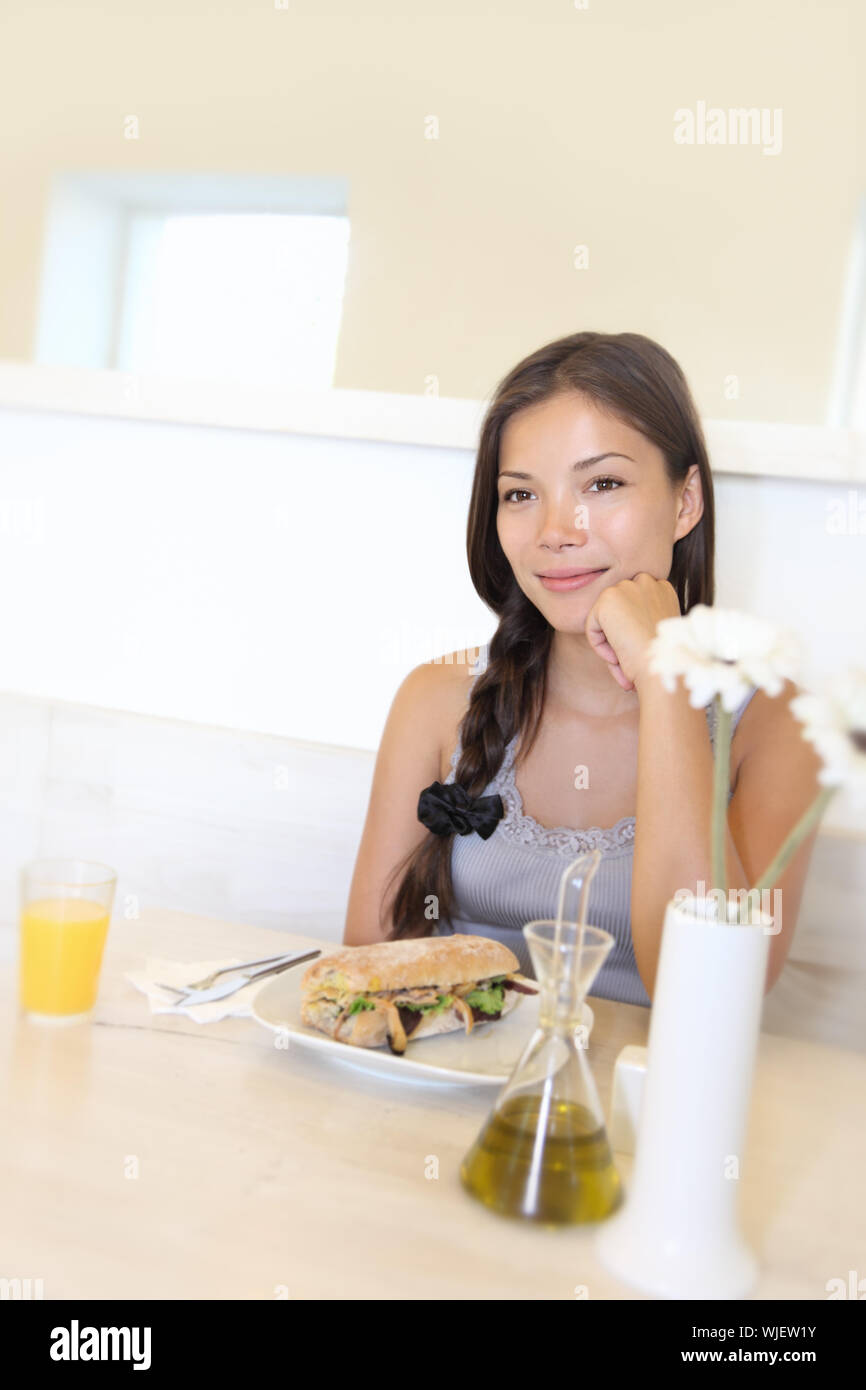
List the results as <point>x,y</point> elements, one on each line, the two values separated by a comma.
<point>269,582</point>
<point>245,827</point>
<point>284,584</point>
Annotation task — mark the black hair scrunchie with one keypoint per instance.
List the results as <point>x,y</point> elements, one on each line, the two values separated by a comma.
<point>449,809</point>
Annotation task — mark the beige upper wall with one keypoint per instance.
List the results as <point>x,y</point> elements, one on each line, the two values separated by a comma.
<point>555,130</point>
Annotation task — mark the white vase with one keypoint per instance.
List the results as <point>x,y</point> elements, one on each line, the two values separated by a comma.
<point>677,1234</point>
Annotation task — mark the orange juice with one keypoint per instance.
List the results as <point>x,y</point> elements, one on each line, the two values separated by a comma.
<point>62,941</point>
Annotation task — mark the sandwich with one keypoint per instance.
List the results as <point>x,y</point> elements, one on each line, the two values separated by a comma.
<point>396,991</point>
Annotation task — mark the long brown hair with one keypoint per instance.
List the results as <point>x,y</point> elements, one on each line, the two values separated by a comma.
<point>635,379</point>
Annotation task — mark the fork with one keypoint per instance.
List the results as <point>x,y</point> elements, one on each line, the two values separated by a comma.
<point>283,964</point>
<point>227,969</point>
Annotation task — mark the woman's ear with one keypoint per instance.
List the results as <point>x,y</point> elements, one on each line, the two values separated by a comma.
<point>691,503</point>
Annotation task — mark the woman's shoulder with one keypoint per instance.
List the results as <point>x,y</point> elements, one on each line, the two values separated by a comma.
<point>453,674</point>
<point>763,712</point>
<point>449,681</point>
<point>766,722</point>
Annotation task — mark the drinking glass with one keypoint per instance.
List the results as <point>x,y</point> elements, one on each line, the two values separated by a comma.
<point>65,911</point>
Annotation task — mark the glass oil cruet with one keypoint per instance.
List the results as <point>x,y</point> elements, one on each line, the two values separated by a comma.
<point>543,1152</point>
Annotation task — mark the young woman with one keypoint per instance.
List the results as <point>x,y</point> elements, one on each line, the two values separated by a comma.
<point>591,458</point>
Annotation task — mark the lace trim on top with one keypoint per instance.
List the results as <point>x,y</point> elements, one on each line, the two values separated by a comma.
<point>517,825</point>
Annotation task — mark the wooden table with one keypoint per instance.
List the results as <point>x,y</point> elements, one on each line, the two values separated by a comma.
<point>266,1172</point>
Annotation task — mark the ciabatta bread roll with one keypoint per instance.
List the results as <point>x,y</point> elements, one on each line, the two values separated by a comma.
<point>395,991</point>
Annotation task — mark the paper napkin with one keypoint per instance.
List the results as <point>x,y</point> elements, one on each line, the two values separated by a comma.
<point>174,972</point>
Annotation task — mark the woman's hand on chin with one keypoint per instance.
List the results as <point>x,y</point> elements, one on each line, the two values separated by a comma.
<point>622,623</point>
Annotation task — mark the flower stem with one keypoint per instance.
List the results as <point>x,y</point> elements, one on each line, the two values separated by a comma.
<point>721,778</point>
<point>809,818</point>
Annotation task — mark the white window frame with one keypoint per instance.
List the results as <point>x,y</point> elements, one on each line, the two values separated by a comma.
<point>84,251</point>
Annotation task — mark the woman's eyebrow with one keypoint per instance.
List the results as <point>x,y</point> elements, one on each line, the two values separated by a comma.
<point>581,464</point>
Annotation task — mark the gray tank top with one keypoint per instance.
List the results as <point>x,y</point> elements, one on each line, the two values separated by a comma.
<point>513,877</point>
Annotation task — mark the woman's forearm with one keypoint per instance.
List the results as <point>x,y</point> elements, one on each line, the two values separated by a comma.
<point>673,817</point>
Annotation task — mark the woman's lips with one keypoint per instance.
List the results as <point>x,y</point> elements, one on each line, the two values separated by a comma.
<point>579,581</point>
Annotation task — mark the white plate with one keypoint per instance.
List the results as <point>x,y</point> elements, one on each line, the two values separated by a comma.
<point>486,1058</point>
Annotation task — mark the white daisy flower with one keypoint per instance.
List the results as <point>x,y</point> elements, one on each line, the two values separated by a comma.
<point>836,724</point>
<point>720,651</point>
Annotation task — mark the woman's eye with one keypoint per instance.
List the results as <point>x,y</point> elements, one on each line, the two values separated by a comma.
<point>511,492</point>
<point>524,492</point>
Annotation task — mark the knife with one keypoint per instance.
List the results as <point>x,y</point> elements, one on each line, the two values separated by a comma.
<point>227,987</point>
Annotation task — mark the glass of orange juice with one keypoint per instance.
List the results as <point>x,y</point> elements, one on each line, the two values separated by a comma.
<point>65,911</point>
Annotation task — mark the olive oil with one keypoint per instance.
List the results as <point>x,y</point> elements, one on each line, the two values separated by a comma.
<point>543,1153</point>
<point>552,1168</point>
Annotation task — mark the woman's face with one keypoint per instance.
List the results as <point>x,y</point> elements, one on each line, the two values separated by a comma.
<point>616,513</point>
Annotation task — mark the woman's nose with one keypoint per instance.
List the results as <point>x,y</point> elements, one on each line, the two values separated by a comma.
<point>563,522</point>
